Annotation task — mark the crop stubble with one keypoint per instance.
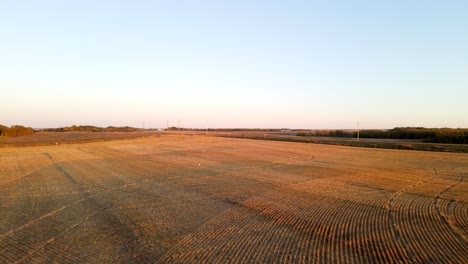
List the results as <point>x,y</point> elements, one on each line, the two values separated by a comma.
<point>200,199</point>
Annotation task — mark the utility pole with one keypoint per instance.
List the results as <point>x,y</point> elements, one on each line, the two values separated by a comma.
<point>178,124</point>
<point>358,130</point>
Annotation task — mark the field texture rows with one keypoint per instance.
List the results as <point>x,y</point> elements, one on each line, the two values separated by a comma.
<point>195,199</point>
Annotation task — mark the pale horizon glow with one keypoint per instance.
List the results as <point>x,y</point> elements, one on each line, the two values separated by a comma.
<point>234,64</point>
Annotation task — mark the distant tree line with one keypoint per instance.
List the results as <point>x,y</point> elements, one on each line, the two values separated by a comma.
<point>326,133</point>
<point>15,131</point>
<point>174,128</point>
<point>123,129</point>
<point>446,135</point>
<point>431,135</point>
<point>75,128</point>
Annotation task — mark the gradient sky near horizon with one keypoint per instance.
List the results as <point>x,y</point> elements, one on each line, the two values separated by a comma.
<point>239,63</point>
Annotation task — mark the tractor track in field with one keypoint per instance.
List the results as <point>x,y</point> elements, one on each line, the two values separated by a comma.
<point>29,174</point>
<point>392,219</point>
<point>31,226</point>
<point>54,238</point>
<point>54,212</point>
<point>204,200</point>
<point>420,227</point>
<point>443,218</point>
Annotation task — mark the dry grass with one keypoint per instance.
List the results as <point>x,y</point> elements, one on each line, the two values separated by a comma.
<point>194,199</point>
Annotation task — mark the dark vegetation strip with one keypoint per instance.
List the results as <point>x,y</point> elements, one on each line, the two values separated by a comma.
<point>428,135</point>
<point>354,143</point>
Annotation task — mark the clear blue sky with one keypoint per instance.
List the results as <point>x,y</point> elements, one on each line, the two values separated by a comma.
<point>297,64</point>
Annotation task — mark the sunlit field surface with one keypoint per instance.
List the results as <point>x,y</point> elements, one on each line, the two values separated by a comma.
<point>196,199</point>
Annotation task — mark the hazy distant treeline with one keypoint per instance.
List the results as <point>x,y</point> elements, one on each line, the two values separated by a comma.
<point>228,129</point>
<point>433,135</point>
<point>75,128</point>
<point>15,131</point>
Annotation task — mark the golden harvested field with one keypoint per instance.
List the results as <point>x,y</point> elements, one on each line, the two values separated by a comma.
<point>196,199</point>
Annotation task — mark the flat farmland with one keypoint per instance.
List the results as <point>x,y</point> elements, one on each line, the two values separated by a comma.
<point>197,199</point>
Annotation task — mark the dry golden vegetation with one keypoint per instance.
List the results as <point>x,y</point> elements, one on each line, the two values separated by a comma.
<point>196,199</point>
